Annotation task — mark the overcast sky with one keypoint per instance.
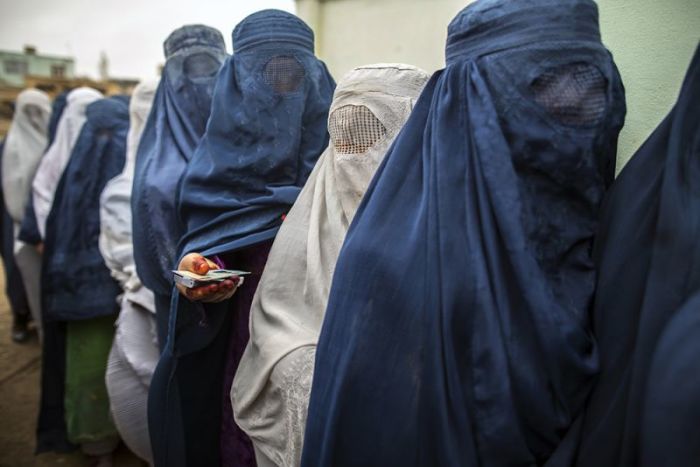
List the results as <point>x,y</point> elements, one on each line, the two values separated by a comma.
<point>130,32</point>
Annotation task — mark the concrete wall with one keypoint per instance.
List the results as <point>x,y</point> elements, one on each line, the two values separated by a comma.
<point>652,42</point>
<point>350,33</point>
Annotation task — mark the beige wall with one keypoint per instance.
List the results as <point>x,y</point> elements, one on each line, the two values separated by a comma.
<point>652,42</point>
<point>350,33</point>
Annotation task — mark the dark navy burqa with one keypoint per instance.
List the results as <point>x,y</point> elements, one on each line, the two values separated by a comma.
<point>76,284</point>
<point>456,332</point>
<point>29,230</point>
<point>266,131</point>
<point>175,125</point>
<point>76,281</point>
<point>647,313</point>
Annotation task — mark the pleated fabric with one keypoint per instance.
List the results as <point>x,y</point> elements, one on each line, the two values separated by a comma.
<point>271,388</point>
<point>194,54</point>
<point>22,152</point>
<point>457,327</point>
<point>266,131</point>
<point>134,353</point>
<point>642,409</point>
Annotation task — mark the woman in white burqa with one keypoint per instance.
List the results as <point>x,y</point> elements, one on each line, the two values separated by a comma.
<point>134,353</point>
<point>271,388</point>
<point>24,147</point>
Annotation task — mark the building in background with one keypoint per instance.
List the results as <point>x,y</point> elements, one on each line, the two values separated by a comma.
<point>16,66</point>
<point>51,74</point>
<point>652,43</point>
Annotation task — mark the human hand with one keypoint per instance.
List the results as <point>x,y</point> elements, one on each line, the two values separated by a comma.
<point>210,293</point>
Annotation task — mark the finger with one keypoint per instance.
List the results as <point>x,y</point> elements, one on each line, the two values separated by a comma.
<point>212,265</point>
<point>219,297</point>
<point>226,290</point>
<point>199,293</point>
<point>200,265</point>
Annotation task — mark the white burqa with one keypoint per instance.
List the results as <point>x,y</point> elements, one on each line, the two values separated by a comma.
<point>134,354</point>
<point>24,147</point>
<point>57,156</point>
<point>271,388</point>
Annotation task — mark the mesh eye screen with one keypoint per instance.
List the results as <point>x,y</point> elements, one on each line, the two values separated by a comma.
<point>200,65</point>
<point>354,129</point>
<point>575,94</point>
<point>284,74</point>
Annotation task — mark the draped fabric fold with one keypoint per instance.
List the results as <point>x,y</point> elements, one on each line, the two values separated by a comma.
<point>134,352</point>
<point>54,161</point>
<point>29,231</point>
<point>76,284</point>
<point>267,129</point>
<point>14,285</point>
<point>194,54</point>
<point>75,281</point>
<point>456,331</point>
<point>24,147</point>
<point>649,272</point>
<point>270,390</point>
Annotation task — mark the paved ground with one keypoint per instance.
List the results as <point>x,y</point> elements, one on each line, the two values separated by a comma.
<point>19,394</point>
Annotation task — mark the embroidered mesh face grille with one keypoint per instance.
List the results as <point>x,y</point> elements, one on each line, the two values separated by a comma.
<point>574,94</point>
<point>354,129</point>
<point>200,66</point>
<point>284,74</point>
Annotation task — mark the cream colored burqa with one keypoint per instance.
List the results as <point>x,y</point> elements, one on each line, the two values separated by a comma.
<point>271,388</point>
<point>24,147</point>
<point>134,354</point>
<point>25,144</point>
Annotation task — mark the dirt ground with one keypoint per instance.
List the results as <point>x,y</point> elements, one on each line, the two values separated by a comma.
<point>20,366</point>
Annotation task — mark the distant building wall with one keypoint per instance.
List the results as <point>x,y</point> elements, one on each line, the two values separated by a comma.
<point>652,42</point>
<point>15,66</point>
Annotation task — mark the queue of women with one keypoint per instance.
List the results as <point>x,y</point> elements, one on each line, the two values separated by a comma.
<point>443,270</point>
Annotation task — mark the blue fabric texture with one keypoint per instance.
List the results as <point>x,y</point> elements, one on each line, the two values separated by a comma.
<point>75,281</point>
<point>29,230</point>
<point>175,125</point>
<point>266,131</point>
<point>649,254</point>
<point>57,108</point>
<point>456,331</point>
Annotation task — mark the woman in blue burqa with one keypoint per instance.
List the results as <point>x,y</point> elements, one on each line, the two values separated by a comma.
<point>266,131</point>
<point>194,54</point>
<point>456,332</point>
<point>78,290</point>
<point>645,407</point>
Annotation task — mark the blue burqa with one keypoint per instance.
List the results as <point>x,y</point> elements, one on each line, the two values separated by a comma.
<point>175,125</point>
<point>456,332</point>
<point>266,131</point>
<point>29,231</point>
<point>76,284</point>
<point>645,407</point>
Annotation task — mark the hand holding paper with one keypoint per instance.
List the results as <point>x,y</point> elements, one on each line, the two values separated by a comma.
<point>200,279</point>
